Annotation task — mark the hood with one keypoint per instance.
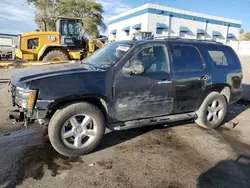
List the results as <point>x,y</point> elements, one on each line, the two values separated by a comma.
<point>40,72</point>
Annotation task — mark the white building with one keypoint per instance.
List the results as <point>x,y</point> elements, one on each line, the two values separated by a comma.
<point>7,41</point>
<point>165,21</point>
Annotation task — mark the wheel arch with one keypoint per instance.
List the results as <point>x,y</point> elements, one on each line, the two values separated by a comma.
<point>49,47</point>
<point>224,89</point>
<point>99,101</point>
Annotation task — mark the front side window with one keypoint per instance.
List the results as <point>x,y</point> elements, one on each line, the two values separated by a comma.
<point>186,58</point>
<point>33,43</point>
<point>108,55</point>
<point>154,58</point>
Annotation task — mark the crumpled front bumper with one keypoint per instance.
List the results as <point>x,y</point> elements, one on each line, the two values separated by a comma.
<point>16,114</point>
<point>20,114</point>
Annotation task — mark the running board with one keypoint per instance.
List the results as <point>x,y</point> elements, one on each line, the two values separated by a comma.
<point>152,121</point>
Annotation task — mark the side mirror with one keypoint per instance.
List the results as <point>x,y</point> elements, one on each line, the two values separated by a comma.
<point>135,67</point>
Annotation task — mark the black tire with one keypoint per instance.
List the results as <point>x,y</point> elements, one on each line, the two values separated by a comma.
<point>55,55</point>
<point>203,114</point>
<point>63,115</point>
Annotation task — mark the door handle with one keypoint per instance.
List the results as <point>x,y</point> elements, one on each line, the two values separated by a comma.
<point>164,82</point>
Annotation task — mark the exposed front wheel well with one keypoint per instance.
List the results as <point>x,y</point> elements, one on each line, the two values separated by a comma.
<point>98,102</point>
<point>226,92</point>
<point>222,89</point>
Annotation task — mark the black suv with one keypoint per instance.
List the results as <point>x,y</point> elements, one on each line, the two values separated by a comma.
<point>128,84</point>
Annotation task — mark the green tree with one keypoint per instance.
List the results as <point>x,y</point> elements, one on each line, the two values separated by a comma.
<point>88,10</point>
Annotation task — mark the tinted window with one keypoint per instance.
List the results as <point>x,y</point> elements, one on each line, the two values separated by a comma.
<point>33,43</point>
<point>154,58</point>
<point>186,58</point>
<point>223,56</point>
<point>218,57</point>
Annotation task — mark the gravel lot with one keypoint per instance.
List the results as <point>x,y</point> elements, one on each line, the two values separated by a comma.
<point>180,155</point>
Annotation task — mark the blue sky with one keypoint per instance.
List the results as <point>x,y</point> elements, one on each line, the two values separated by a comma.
<point>17,17</point>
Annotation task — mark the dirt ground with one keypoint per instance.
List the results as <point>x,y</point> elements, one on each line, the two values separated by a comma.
<point>180,155</point>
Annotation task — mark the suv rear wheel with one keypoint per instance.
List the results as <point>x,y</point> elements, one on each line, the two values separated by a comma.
<point>76,129</point>
<point>212,111</point>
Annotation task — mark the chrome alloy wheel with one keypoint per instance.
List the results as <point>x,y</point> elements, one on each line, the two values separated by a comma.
<point>214,111</point>
<point>79,131</point>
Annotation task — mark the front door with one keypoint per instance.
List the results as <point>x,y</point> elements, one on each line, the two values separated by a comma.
<point>149,94</point>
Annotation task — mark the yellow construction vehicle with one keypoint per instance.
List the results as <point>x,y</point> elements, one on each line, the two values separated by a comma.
<point>64,44</point>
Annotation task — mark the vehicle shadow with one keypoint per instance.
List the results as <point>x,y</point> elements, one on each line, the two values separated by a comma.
<point>229,173</point>
<point>117,137</point>
<point>29,154</point>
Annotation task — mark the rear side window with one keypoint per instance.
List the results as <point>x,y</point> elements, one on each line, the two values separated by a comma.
<point>186,58</point>
<point>218,57</point>
<point>222,56</point>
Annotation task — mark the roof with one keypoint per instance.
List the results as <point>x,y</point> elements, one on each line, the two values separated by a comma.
<point>176,40</point>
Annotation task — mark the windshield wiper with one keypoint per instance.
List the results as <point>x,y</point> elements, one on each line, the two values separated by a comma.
<point>88,64</point>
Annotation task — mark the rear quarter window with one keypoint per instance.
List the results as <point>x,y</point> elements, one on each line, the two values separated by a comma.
<point>218,57</point>
<point>222,56</point>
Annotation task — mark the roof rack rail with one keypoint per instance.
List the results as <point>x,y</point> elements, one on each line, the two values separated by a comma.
<point>200,40</point>
<point>167,37</point>
<point>179,38</point>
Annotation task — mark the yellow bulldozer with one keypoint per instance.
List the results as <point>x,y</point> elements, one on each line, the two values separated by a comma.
<point>63,45</point>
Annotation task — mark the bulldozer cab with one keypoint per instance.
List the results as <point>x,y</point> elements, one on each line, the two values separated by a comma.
<point>70,31</point>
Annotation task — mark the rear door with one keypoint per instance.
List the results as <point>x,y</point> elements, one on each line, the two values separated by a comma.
<point>191,75</point>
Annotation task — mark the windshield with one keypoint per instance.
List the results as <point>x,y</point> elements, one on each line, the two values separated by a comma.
<point>108,55</point>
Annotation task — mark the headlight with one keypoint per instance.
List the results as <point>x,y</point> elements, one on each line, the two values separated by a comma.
<point>25,97</point>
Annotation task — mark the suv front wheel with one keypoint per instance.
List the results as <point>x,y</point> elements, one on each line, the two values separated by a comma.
<point>76,129</point>
<point>212,111</point>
